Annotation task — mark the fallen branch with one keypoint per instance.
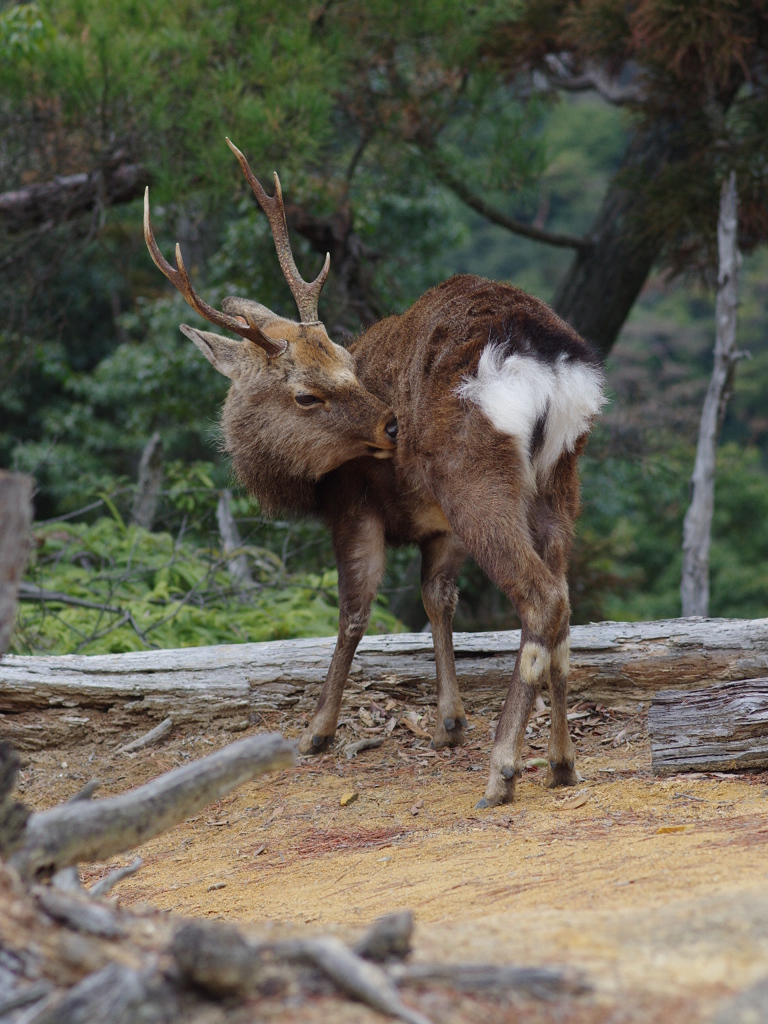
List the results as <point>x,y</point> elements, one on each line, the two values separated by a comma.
<point>542,982</point>
<point>148,738</point>
<point>81,913</point>
<point>121,967</point>
<point>31,592</point>
<point>720,728</point>
<point>99,829</point>
<point>106,884</point>
<point>371,743</point>
<point>353,975</point>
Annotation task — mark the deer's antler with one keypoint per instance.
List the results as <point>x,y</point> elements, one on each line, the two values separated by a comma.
<point>179,277</point>
<point>306,295</point>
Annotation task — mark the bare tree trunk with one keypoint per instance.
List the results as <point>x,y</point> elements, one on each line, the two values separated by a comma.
<point>237,566</point>
<point>15,521</point>
<point>600,288</point>
<point>694,588</point>
<point>150,479</point>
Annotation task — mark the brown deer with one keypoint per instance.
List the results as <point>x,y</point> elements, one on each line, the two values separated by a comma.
<point>456,426</point>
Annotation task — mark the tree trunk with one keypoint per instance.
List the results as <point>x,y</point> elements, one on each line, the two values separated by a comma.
<point>150,480</point>
<point>50,701</point>
<point>237,564</point>
<point>697,527</point>
<point>15,522</point>
<point>721,728</point>
<point>601,286</point>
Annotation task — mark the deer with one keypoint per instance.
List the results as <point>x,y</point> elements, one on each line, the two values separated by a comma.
<point>455,426</point>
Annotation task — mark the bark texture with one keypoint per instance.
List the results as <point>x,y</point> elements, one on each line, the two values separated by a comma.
<point>697,527</point>
<point>601,286</point>
<point>47,701</point>
<point>720,728</point>
<point>15,536</point>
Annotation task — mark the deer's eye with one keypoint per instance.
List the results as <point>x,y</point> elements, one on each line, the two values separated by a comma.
<point>307,400</point>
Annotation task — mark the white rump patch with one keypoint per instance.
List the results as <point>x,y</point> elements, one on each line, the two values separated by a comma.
<point>514,391</point>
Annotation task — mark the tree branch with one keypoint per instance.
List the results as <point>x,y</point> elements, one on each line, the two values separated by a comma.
<point>560,76</point>
<point>70,196</point>
<point>517,227</point>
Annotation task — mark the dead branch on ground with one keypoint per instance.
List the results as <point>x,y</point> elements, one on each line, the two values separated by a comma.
<point>69,956</point>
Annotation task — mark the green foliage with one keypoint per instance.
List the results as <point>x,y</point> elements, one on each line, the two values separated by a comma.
<point>352,102</point>
<point>156,591</point>
<point>637,508</point>
<point>23,31</point>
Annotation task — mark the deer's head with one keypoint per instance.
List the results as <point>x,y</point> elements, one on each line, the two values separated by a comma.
<point>295,408</point>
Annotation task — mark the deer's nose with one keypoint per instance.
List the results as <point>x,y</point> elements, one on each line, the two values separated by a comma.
<point>391,429</point>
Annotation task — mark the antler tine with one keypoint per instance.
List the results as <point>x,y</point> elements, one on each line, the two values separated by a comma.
<point>179,277</point>
<point>306,294</point>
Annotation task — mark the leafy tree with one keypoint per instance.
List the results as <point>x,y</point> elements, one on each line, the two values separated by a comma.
<point>412,140</point>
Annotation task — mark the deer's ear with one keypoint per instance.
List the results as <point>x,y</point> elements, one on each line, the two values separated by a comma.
<point>228,356</point>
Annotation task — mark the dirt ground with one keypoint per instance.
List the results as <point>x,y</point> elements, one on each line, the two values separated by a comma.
<point>654,891</point>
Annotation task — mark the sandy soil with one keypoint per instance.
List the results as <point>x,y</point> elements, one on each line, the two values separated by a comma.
<point>655,890</point>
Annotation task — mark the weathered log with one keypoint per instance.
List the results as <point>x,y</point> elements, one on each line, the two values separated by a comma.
<point>15,537</point>
<point>79,912</point>
<point>222,962</point>
<point>720,728</point>
<point>99,829</point>
<point>388,938</point>
<point>612,663</point>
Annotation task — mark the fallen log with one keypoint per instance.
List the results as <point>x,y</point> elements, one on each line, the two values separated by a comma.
<point>719,728</point>
<point>101,696</point>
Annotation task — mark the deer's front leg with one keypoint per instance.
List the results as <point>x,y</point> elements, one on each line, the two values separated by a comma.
<point>359,545</point>
<point>441,560</point>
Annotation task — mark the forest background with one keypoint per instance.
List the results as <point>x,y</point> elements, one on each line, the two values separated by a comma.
<point>575,149</point>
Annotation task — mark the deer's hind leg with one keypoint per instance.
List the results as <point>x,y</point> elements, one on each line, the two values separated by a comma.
<point>491,516</point>
<point>552,524</point>
<point>442,557</point>
<point>360,556</point>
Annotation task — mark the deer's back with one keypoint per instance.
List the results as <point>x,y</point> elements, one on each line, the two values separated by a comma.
<point>473,348</point>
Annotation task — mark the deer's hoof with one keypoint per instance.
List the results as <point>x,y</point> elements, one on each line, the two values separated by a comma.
<point>449,733</point>
<point>563,774</point>
<point>312,743</point>
<point>501,787</point>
